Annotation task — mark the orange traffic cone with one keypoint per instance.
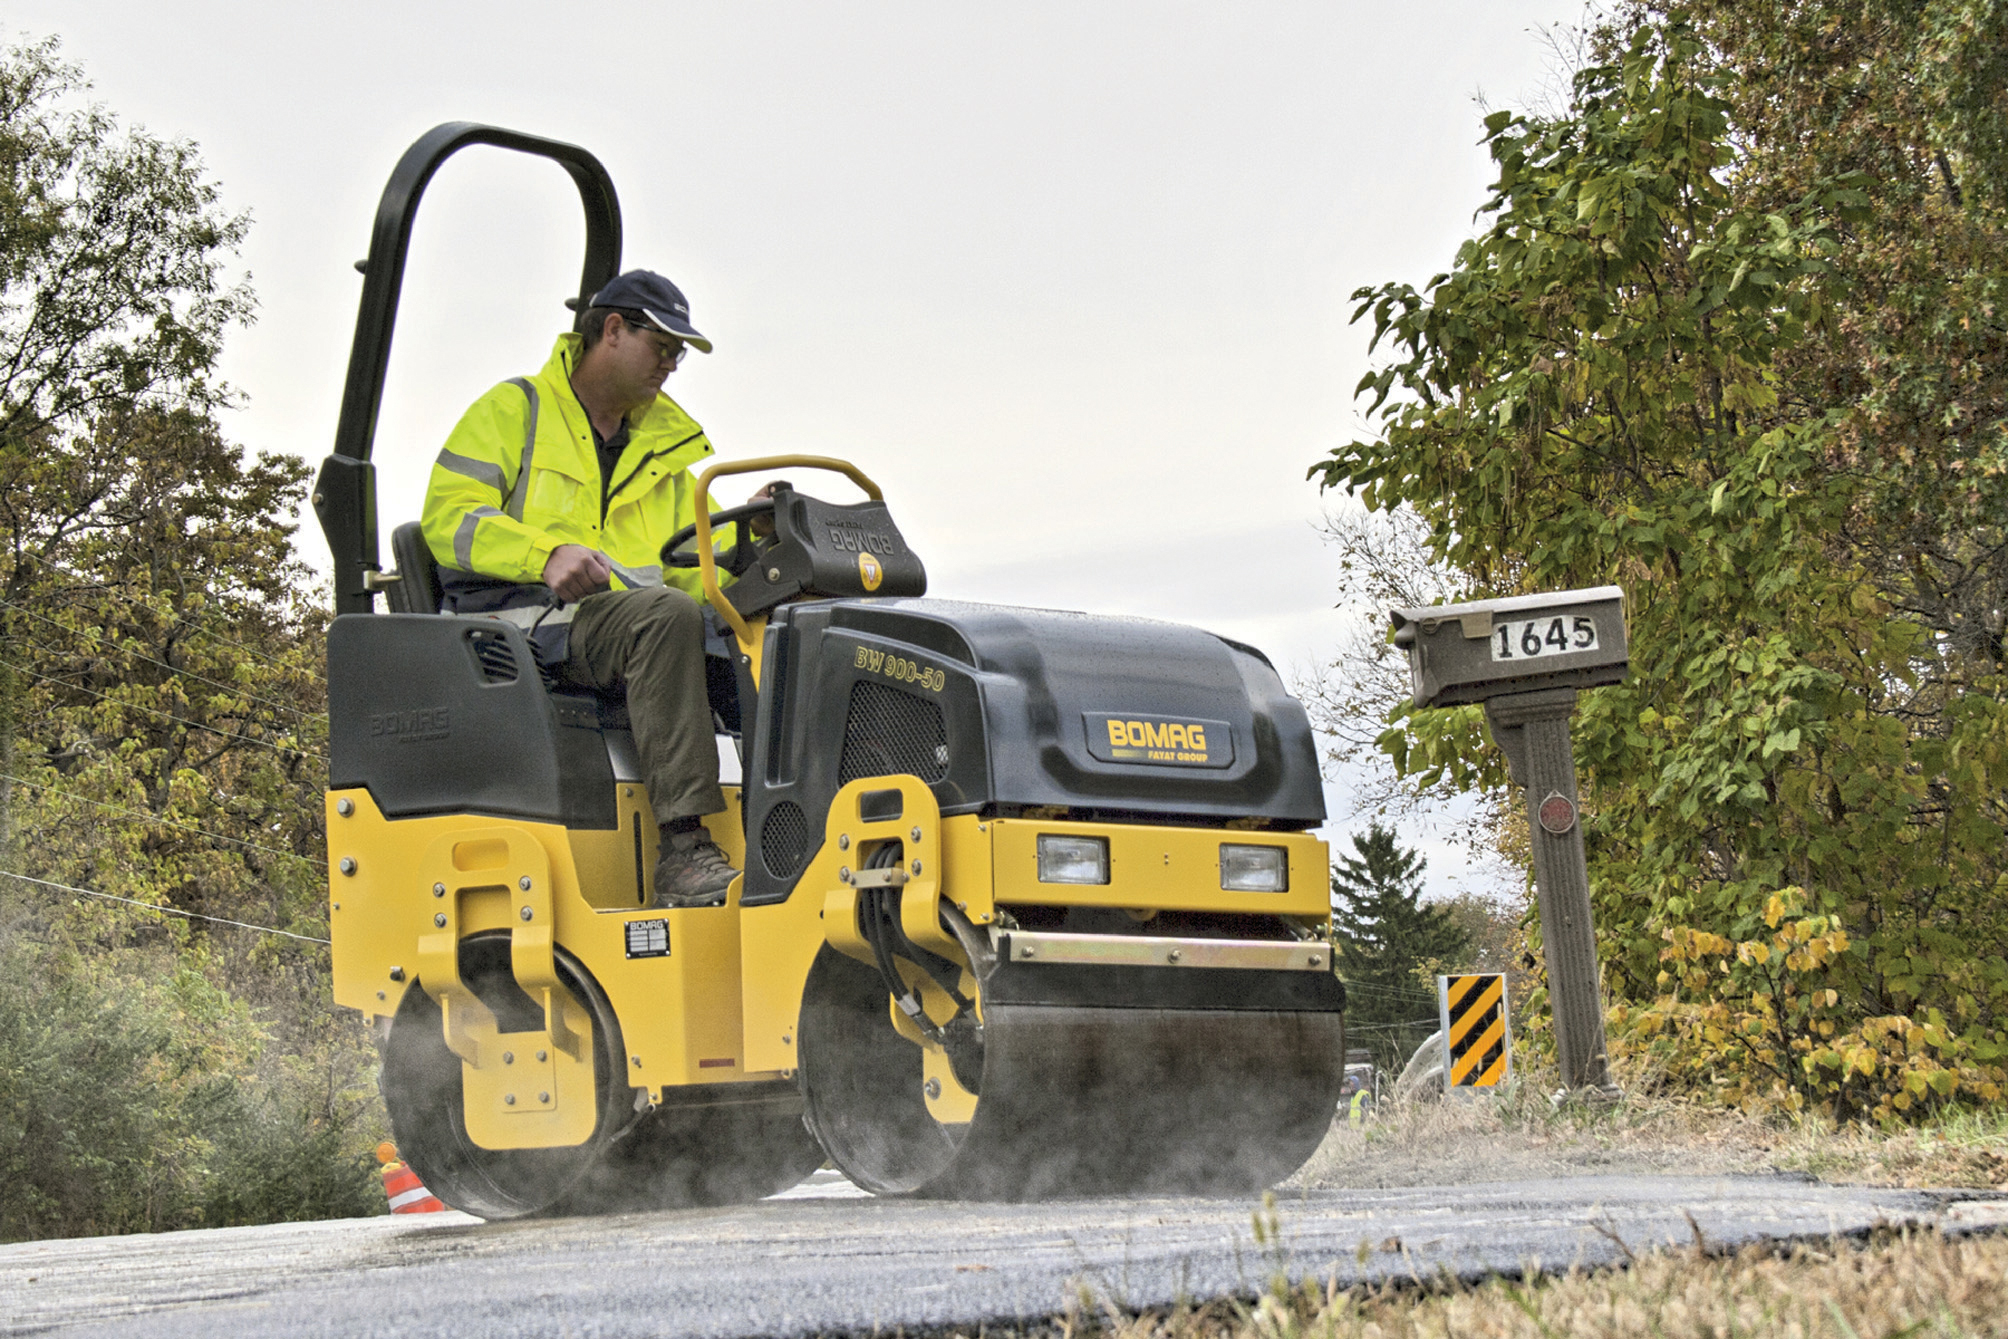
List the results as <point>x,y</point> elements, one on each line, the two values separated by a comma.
<point>401,1186</point>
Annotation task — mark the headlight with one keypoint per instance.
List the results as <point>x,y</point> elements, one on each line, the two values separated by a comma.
<point>1255,869</point>
<point>1073,859</point>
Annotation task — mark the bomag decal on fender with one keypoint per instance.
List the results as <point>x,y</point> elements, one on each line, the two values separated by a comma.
<point>1177,741</point>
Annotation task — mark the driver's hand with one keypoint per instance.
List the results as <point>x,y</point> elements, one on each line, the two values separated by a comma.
<point>575,571</point>
<point>763,525</point>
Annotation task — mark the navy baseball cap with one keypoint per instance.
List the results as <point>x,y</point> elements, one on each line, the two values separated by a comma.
<point>657,299</point>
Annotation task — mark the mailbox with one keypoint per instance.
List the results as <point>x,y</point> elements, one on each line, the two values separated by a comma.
<point>1460,653</point>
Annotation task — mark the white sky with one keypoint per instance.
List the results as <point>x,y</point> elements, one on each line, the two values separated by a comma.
<point>1070,280</point>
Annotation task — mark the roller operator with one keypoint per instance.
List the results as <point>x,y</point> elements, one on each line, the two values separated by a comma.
<point>549,507</point>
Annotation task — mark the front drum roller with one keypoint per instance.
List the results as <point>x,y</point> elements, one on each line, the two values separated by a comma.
<point>741,1146</point>
<point>1073,1100</point>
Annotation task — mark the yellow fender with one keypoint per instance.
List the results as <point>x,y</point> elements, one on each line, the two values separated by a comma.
<point>528,1089</point>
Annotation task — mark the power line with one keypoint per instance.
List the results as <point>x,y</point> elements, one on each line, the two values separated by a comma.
<point>1418,991</point>
<point>154,711</point>
<point>235,689</point>
<point>166,911</point>
<point>180,618</point>
<point>152,817</point>
<point>1389,1027</point>
<point>1390,992</point>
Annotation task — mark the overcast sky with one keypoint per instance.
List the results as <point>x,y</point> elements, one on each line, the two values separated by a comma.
<point>1069,280</point>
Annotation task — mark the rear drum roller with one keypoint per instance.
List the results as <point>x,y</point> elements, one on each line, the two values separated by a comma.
<point>1073,1100</point>
<point>421,1084</point>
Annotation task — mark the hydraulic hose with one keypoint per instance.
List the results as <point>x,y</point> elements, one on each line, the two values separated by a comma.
<point>878,918</point>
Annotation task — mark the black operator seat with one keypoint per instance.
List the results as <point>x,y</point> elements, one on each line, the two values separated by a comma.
<point>417,589</point>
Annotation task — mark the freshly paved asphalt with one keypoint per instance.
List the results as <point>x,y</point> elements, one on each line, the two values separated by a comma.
<point>826,1259</point>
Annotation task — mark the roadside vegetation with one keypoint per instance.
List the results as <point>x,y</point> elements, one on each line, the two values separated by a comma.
<point>1731,335</point>
<point>167,1055</point>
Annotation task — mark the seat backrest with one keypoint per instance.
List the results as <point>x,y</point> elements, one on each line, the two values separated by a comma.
<point>416,590</point>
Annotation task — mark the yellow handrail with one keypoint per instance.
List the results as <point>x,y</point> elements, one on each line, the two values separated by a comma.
<point>707,562</point>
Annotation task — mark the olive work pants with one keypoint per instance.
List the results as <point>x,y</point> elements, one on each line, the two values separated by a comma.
<point>652,643</point>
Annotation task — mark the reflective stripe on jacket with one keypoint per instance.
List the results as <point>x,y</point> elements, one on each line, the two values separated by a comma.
<point>520,475</point>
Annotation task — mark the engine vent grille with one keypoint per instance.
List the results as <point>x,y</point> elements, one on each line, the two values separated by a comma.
<point>495,656</point>
<point>889,732</point>
<point>784,839</point>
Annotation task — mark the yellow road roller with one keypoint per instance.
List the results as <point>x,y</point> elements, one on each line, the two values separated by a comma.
<point>1030,906</point>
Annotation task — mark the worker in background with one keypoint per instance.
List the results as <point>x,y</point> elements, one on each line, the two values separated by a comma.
<point>549,507</point>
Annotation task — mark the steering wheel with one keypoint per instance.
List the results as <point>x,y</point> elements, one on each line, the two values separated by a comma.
<point>742,553</point>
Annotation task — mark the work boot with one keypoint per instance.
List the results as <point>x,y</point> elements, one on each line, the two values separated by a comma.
<point>691,871</point>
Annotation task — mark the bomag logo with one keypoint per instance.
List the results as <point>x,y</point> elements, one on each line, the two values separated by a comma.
<point>1159,735</point>
<point>1178,741</point>
<point>850,539</point>
<point>410,727</point>
<point>870,571</point>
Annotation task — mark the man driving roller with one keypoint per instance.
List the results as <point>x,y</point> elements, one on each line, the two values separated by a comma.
<point>549,506</point>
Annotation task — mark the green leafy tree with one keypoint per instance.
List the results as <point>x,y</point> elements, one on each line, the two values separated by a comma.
<point>1722,345</point>
<point>1390,945</point>
<point>113,305</point>
<point>162,718</point>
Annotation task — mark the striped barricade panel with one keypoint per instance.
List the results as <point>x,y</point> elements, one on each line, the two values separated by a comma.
<point>1477,1040</point>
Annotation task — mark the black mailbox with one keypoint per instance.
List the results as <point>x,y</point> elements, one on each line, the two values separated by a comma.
<point>1461,653</point>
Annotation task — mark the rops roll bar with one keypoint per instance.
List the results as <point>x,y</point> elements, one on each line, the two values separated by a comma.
<point>345,492</point>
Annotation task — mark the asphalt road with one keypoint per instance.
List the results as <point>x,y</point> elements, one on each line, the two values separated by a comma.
<point>824,1258</point>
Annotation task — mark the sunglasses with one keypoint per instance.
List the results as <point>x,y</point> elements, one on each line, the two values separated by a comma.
<point>668,348</point>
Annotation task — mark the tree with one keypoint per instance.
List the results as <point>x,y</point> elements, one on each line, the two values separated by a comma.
<point>1730,341</point>
<point>1388,944</point>
<point>112,311</point>
<point>162,717</point>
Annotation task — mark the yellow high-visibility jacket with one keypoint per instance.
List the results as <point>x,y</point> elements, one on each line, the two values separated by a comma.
<point>520,475</point>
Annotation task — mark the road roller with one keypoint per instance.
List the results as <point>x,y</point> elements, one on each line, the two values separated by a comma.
<point>1030,905</point>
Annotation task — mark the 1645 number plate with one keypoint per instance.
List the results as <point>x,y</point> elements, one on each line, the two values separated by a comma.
<point>1555,635</point>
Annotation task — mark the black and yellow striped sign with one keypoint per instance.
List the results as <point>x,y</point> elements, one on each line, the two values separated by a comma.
<point>1474,1029</point>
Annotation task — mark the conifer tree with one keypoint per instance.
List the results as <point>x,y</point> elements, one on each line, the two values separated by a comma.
<point>1387,941</point>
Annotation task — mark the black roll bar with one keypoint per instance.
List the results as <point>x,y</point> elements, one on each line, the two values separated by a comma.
<point>345,492</point>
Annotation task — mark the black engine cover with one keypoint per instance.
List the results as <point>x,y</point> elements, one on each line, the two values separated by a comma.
<point>1003,708</point>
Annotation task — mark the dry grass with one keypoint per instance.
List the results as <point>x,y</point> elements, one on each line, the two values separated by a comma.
<point>1520,1135</point>
<point>1902,1284</point>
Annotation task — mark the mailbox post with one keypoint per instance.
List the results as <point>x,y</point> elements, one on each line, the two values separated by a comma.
<point>1526,658</point>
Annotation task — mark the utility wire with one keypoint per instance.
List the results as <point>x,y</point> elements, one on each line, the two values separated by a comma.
<point>154,711</point>
<point>1388,1027</point>
<point>167,911</point>
<point>180,618</point>
<point>151,817</point>
<point>1390,992</point>
<point>234,689</point>
<point>1398,990</point>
